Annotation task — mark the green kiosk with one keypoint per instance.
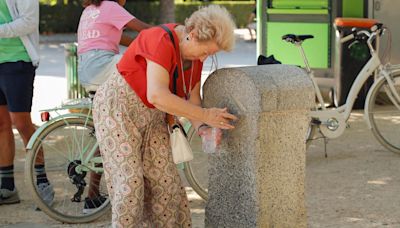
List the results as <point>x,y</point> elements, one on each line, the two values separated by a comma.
<point>313,17</point>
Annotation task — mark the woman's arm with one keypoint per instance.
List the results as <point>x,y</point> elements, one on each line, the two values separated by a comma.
<point>125,40</point>
<point>137,25</point>
<point>160,96</point>
<point>196,100</point>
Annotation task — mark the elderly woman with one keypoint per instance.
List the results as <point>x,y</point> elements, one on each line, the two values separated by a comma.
<point>130,117</point>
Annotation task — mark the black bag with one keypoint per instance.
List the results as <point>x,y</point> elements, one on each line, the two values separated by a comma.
<point>262,60</point>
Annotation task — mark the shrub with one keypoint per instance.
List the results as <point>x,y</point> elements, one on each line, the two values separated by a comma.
<point>59,19</point>
<point>65,19</point>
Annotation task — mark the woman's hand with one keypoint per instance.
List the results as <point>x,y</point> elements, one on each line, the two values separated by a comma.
<point>218,118</point>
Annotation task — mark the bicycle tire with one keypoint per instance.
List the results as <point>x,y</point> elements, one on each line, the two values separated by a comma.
<point>310,134</point>
<point>196,171</point>
<point>384,116</point>
<point>50,138</point>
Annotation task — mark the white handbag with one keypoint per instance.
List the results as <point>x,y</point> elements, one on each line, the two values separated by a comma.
<point>181,151</point>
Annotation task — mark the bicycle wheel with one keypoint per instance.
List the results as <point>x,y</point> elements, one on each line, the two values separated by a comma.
<point>63,147</point>
<point>384,116</point>
<point>311,131</point>
<point>196,171</point>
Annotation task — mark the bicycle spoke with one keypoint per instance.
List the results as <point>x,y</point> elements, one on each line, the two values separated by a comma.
<point>55,149</point>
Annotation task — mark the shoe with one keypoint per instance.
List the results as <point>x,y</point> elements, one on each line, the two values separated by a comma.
<point>92,204</point>
<point>46,192</point>
<point>8,196</point>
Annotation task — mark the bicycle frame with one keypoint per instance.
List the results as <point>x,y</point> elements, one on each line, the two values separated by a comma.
<point>345,109</point>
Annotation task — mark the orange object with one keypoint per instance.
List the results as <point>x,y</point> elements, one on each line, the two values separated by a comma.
<point>355,22</point>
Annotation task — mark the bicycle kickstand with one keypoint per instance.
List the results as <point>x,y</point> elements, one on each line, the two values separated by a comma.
<point>325,147</point>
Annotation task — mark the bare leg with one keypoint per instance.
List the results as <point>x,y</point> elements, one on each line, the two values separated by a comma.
<point>251,33</point>
<point>94,184</point>
<point>7,144</point>
<point>23,122</point>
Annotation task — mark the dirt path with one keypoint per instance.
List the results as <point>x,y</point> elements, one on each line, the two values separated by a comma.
<point>358,185</point>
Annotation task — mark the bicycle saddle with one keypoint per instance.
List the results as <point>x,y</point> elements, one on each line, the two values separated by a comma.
<point>296,38</point>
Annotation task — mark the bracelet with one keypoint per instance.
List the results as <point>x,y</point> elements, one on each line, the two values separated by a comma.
<point>201,125</point>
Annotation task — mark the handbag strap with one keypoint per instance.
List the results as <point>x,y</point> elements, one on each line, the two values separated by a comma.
<point>171,118</point>
<point>176,68</point>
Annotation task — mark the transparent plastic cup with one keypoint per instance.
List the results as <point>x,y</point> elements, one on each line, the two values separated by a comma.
<point>210,143</point>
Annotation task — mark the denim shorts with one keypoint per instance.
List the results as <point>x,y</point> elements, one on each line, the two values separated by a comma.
<point>95,67</point>
<point>16,85</point>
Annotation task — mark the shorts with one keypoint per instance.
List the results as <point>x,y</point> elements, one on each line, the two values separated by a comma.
<point>16,85</point>
<point>95,67</point>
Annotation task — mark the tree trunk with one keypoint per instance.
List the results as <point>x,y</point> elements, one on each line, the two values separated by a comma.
<point>60,2</point>
<point>167,11</point>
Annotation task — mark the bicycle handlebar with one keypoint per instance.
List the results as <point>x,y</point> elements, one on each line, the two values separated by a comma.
<point>358,35</point>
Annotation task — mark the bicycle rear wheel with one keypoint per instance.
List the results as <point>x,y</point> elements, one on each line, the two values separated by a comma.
<point>196,171</point>
<point>384,116</point>
<point>65,144</point>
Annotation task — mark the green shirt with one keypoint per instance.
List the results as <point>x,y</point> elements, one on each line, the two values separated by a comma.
<point>11,49</point>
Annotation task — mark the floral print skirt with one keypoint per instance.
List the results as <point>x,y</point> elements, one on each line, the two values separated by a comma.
<point>143,183</point>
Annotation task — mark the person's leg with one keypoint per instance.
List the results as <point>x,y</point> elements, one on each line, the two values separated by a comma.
<point>90,87</point>
<point>7,144</point>
<point>94,183</point>
<point>23,123</point>
<point>7,150</point>
<point>18,90</point>
<point>165,195</point>
<point>250,32</point>
<point>19,93</point>
<point>120,145</point>
<point>8,193</point>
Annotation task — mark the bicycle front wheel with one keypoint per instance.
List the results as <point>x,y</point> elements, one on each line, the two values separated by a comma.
<point>196,171</point>
<point>384,114</point>
<point>69,152</point>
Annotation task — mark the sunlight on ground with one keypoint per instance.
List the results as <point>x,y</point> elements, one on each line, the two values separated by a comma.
<point>243,33</point>
<point>354,219</point>
<point>192,195</point>
<point>381,181</point>
<point>197,211</point>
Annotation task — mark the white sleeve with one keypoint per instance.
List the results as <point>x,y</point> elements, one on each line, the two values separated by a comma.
<point>25,22</point>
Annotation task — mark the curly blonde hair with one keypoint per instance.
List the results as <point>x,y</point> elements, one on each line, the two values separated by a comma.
<point>213,22</point>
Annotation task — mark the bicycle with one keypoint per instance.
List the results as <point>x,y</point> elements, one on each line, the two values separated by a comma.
<point>382,104</point>
<point>68,146</point>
